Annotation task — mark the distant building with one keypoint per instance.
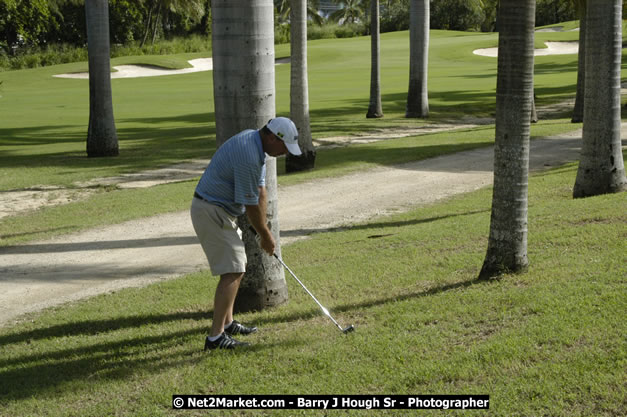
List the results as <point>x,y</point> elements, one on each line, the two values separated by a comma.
<point>327,7</point>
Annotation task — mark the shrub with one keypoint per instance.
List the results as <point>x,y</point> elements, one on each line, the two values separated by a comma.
<point>65,53</point>
<point>282,33</point>
<point>456,15</point>
<point>349,30</point>
<point>321,32</point>
<point>333,30</point>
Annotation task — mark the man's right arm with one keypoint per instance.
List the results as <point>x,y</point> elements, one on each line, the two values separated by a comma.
<point>257,217</point>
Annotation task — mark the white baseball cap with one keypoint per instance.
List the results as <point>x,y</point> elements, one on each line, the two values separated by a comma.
<point>286,130</point>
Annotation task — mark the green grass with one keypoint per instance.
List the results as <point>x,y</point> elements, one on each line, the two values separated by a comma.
<point>548,342</point>
<point>45,119</point>
<point>565,26</point>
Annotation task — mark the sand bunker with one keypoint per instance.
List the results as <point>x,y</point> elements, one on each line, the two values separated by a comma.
<point>552,48</point>
<point>136,71</point>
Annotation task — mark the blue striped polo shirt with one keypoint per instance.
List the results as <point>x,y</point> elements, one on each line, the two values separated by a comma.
<point>235,173</point>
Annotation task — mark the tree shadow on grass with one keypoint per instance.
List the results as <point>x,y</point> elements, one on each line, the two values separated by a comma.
<point>39,374</point>
<point>95,327</point>
<point>36,374</point>
<point>40,135</point>
<point>378,153</point>
<point>59,230</point>
<point>367,304</point>
<point>158,141</point>
<point>375,225</point>
<point>415,295</point>
<point>42,248</point>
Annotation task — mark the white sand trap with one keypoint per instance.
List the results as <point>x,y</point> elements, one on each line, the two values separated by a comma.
<point>556,29</point>
<point>552,48</point>
<point>136,71</point>
<point>551,29</point>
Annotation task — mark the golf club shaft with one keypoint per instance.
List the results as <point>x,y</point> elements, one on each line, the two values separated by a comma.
<point>324,310</point>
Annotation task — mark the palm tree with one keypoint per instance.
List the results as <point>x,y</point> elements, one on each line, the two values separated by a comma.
<point>158,9</point>
<point>581,65</point>
<point>375,109</point>
<point>102,138</point>
<point>299,90</point>
<point>507,244</point>
<point>417,94</point>
<point>244,98</point>
<point>601,166</point>
<point>284,7</point>
<point>352,11</point>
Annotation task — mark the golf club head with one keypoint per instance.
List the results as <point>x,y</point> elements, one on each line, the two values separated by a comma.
<point>349,329</point>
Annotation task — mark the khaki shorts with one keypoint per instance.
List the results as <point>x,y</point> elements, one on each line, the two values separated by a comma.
<point>220,237</point>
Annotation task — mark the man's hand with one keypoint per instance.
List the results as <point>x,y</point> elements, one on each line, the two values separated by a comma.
<point>268,244</point>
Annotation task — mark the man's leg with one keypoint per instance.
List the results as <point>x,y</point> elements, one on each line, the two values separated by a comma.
<point>224,301</point>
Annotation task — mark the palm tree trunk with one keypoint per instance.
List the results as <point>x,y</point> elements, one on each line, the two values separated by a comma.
<point>375,109</point>
<point>244,95</point>
<point>102,138</point>
<point>299,90</point>
<point>507,244</point>
<point>601,166</point>
<point>148,25</point>
<point>156,23</point>
<point>417,95</point>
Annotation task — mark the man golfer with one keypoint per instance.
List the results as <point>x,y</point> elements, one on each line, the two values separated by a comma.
<point>234,184</point>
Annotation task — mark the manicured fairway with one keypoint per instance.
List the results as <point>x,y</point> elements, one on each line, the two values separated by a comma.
<point>161,120</point>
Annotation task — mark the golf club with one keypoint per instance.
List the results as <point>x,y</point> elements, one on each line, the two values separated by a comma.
<point>324,310</point>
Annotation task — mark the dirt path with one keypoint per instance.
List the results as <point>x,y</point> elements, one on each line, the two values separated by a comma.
<point>37,275</point>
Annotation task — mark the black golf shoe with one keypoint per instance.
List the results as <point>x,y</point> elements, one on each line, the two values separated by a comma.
<point>224,342</point>
<point>238,328</point>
